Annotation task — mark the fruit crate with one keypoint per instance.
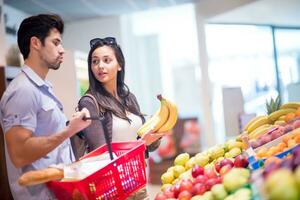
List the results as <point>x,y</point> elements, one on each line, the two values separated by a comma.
<point>255,164</point>
<point>117,180</point>
<point>277,140</point>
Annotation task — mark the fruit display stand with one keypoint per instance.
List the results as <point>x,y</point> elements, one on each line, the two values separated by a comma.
<point>226,171</point>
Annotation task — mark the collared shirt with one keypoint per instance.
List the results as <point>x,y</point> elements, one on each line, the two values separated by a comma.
<point>29,102</point>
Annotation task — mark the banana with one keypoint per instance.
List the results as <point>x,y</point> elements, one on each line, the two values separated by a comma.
<point>259,122</point>
<point>279,122</point>
<point>275,115</point>
<point>282,117</point>
<point>294,105</point>
<point>252,121</point>
<point>259,131</point>
<point>157,120</point>
<point>172,119</point>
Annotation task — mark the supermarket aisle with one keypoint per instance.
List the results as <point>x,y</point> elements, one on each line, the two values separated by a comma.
<point>153,190</point>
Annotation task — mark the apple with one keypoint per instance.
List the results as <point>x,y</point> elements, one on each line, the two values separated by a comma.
<point>201,179</point>
<point>265,139</point>
<point>296,124</point>
<point>199,189</point>
<point>241,161</point>
<point>210,173</point>
<point>256,143</point>
<point>218,166</point>
<point>288,128</point>
<point>211,182</point>
<point>226,161</point>
<point>168,192</point>
<point>186,185</point>
<point>176,189</point>
<point>225,169</point>
<point>160,196</point>
<point>185,195</point>
<point>275,134</point>
<point>197,170</point>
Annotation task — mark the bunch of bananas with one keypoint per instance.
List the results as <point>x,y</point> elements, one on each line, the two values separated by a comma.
<point>163,120</point>
<point>261,124</point>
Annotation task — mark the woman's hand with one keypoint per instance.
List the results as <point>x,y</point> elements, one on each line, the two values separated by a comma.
<point>151,137</point>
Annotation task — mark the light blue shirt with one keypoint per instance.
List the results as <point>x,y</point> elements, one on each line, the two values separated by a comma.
<point>29,102</point>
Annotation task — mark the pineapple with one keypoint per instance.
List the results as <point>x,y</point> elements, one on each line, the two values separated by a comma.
<point>273,105</point>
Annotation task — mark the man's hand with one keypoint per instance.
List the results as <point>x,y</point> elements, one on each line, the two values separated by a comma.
<point>77,123</point>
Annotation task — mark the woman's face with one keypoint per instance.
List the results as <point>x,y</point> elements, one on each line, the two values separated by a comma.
<point>105,65</point>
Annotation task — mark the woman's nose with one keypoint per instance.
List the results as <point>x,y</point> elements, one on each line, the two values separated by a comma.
<point>100,65</point>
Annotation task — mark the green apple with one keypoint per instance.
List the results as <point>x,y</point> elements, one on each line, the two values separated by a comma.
<point>201,160</point>
<point>181,159</point>
<point>219,192</point>
<point>167,177</point>
<point>281,185</point>
<point>178,169</point>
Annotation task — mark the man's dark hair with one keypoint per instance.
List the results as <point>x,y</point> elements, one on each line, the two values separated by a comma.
<point>38,26</point>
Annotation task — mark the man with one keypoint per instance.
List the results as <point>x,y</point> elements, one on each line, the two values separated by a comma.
<point>32,118</point>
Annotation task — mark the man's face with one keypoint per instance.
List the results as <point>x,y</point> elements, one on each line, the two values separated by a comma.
<point>52,52</point>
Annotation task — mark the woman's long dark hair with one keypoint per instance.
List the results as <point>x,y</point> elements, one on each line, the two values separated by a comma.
<point>106,101</point>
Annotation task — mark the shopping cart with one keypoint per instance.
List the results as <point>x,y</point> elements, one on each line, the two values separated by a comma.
<point>117,180</point>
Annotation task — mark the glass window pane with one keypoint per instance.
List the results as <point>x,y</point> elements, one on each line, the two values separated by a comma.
<point>240,56</point>
<point>288,51</point>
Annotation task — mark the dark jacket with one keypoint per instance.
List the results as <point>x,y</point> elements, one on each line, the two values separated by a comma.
<point>93,136</point>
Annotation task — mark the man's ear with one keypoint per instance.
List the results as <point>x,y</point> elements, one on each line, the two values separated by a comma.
<point>35,42</point>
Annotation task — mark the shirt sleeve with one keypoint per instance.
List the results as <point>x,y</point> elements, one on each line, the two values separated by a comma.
<point>93,134</point>
<point>20,109</point>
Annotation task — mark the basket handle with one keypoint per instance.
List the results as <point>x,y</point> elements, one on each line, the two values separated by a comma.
<point>108,143</point>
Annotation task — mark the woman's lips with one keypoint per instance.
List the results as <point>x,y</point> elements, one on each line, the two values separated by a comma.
<point>101,74</point>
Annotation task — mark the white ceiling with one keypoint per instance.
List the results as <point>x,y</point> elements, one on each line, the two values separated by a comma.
<point>71,10</point>
<point>272,12</point>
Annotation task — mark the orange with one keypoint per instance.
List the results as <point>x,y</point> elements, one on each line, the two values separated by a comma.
<point>292,143</point>
<point>287,138</point>
<point>298,112</point>
<point>297,139</point>
<point>262,152</point>
<point>272,159</point>
<point>288,117</point>
<point>281,146</point>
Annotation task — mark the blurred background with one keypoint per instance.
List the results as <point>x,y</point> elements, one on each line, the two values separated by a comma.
<point>218,60</point>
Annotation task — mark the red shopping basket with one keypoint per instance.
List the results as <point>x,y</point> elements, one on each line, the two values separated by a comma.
<point>117,180</point>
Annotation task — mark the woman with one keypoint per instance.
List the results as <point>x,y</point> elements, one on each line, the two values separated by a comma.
<point>122,116</point>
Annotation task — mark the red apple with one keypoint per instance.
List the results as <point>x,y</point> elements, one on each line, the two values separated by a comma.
<point>226,161</point>
<point>211,182</point>
<point>185,195</point>
<point>201,179</point>
<point>296,124</point>
<point>186,185</point>
<point>265,139</point>
<point>176,190</point>
<point>168,192</point>
<point>218,166</point>
<point>288,128</point>
<point>210,173</point>
<point>160,196</point>
<point>275,134</point>
<point>256,143</point>
<point>241,161</point>
<point>197,170</point>
<point>199,189</point>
